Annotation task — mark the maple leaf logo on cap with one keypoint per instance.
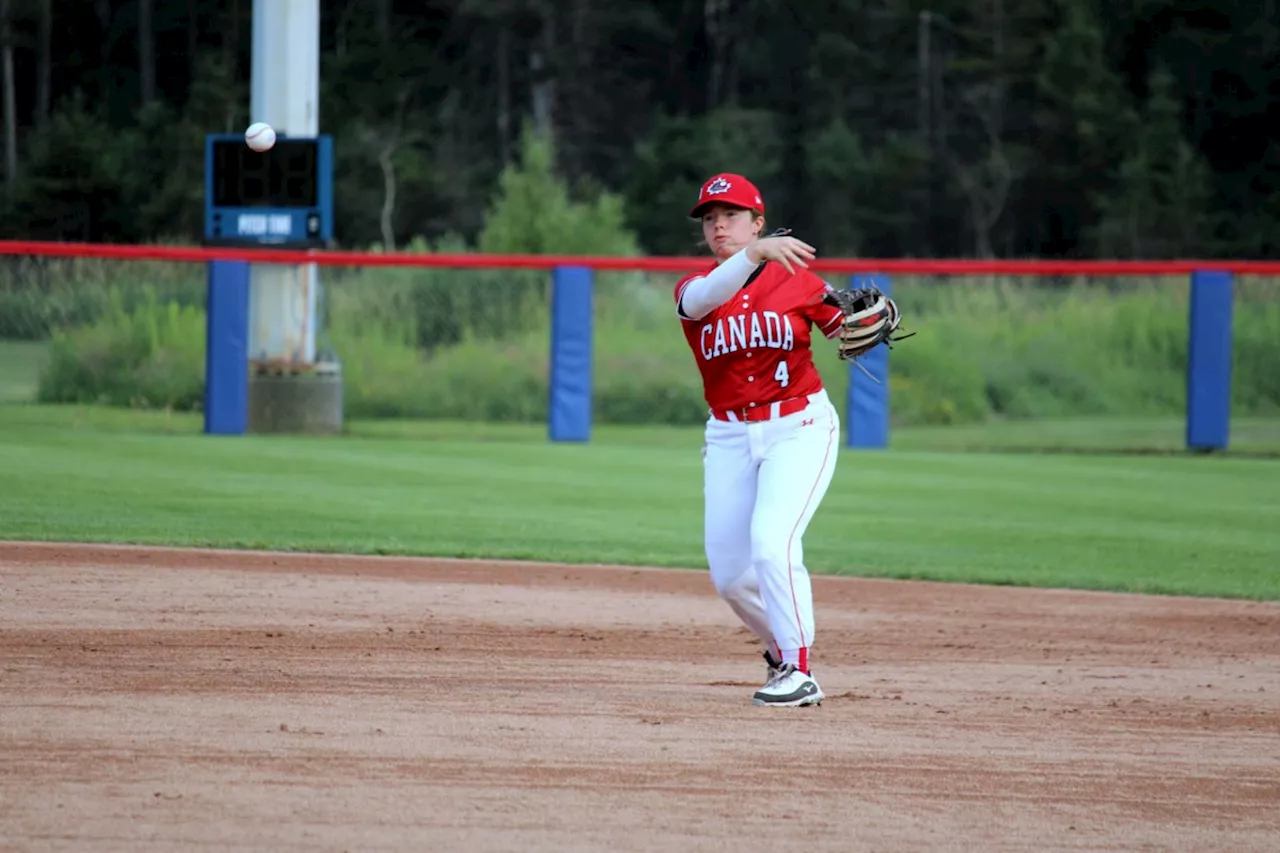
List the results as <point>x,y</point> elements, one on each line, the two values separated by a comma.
<point>718,186</point>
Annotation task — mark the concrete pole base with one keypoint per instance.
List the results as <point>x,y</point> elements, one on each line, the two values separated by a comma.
<point>308,403</point>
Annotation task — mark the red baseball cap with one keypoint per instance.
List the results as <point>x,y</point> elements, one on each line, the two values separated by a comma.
<point>733,190</point>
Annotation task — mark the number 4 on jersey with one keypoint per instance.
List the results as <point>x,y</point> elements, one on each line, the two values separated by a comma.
<point>781,374</point>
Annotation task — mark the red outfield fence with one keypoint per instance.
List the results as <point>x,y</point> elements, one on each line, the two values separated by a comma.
<point>569,412</point>
<point>325,257</point>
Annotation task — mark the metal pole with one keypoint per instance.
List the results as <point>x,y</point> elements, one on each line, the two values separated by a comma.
<point>285,93</point>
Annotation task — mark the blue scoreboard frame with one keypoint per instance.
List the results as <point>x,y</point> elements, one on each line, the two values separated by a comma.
<point>281,197</point>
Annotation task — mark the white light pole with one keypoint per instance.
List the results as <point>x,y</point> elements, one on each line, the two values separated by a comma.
<point>285,93</point>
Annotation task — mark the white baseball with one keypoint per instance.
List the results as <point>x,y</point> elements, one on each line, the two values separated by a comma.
<point>260,136</point>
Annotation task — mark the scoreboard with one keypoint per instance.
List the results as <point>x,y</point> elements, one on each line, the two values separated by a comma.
<point>280,197</point>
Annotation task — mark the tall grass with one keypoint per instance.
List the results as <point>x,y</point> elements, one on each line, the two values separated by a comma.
<point>986,347</point>
<point>41,295</point>
<point>440,343</point>
<point>474,345</point>
<point>148,356</point>
<point>1026,348</point>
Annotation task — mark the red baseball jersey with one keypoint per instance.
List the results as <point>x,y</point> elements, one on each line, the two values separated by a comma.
<point>754,349</point>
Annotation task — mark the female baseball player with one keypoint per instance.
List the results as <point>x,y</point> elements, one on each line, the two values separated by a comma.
<point>771,437</point>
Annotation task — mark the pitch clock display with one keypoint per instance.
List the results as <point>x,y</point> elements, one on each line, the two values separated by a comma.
<point>279,197</point>
<point>285,176</point>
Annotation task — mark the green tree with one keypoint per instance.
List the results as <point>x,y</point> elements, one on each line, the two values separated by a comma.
<point>862,197</point>
<point>886,128</point>
<point>534,212</point>
<point>71,184</point>
<point>1081,118</point>
<point>1161,203</point>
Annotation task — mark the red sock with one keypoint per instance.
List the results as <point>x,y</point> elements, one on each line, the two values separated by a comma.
<point>798,657</point>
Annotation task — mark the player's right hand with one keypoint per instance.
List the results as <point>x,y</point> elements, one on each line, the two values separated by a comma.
<point>788,251</point>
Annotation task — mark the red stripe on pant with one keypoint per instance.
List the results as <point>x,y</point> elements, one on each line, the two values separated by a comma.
<point>800,660</point>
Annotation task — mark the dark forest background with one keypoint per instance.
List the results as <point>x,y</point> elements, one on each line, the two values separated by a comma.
<point>887,128</point>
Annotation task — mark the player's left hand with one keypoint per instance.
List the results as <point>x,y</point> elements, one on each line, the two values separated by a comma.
<point>870,319</point>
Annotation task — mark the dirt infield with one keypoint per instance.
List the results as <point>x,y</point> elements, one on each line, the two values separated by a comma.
<point>167,700</point>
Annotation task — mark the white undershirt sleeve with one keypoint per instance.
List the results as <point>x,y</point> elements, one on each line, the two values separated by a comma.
<point>703,295</point>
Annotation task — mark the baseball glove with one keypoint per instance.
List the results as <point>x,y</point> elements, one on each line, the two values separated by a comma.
<point>870,319</point>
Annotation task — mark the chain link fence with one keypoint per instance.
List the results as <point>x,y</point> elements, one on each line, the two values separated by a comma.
<point>998,362</point>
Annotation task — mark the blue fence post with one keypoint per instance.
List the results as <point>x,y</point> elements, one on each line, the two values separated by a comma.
<point>569,406</point>
<point>226,358</point>
<point>1209,360</point>
<point>867,406</point>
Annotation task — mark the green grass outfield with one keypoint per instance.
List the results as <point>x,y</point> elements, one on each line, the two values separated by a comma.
<point>1143,523</point>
